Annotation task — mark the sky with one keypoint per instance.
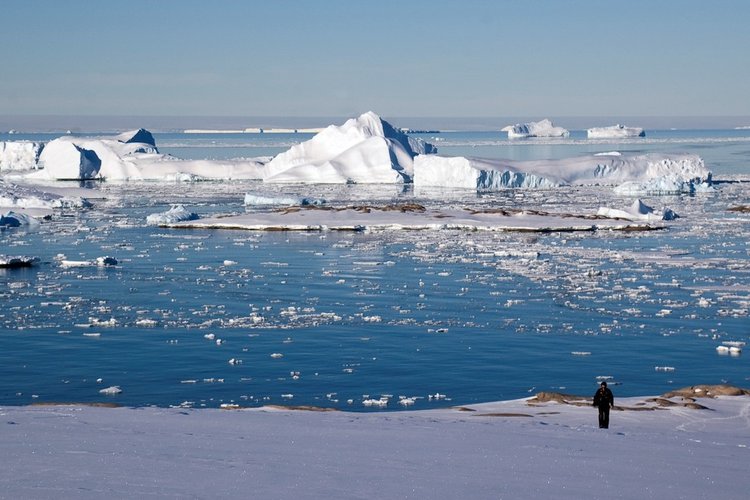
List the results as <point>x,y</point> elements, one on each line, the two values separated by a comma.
<point>394,57</point>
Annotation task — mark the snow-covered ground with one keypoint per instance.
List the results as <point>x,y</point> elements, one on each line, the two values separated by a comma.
<point>510,449</point>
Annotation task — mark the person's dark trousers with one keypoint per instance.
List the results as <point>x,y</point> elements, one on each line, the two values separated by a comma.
<point>604,417</point>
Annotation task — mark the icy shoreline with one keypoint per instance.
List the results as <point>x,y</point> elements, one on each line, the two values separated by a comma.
<point>506,449</point>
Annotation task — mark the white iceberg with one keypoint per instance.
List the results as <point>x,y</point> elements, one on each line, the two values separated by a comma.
<point>132,156</point>
<point>178,213</point>
<point>609,170</point>
<point>362,150</point>
<point>13,219</point>
<point>638,211</point>
<point>614,132</point>
<point>543,128</point>
<point>19,155</point>
<point>13,262</point>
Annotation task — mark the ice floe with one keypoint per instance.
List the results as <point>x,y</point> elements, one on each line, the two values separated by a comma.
<point>22,196</point>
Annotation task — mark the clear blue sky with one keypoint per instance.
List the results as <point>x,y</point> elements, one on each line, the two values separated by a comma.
<point>398,58</point>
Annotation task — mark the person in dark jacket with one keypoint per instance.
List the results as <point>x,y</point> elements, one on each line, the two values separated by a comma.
<point>604,400</point>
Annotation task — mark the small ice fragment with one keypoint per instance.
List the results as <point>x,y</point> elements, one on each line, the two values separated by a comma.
<point>664,368</point>
<point>209,336</point>
<point>277,355</point>
<point>111,391</point>
<point>106,261</point>
<point>581,353</point>
<point>230,262</point>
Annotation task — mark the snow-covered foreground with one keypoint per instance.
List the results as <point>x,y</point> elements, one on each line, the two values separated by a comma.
<point>508,449</point>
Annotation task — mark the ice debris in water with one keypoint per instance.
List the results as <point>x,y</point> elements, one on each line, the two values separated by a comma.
<point>11,262</point>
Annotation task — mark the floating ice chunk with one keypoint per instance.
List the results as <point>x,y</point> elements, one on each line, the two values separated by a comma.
<point>76,263</point>
<point>581,353</point>
<point>13,219</point>
<point>8,262</point>
<point>146,322</point>
<point>229,406</point>
<point>111,391</point>
<point>614,132</point>
<point>209,336</point>
<point>380,403</point>
<point>230,263</point>
<point>543,128</point>
<point>277,355</point>
<point>235,361</point>
<point>106,261</point>
<point>177,213</point>
<point>664,368</point>
<point>287,396</point>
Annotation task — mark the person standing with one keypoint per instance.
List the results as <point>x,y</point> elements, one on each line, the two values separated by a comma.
<point>604,400</point>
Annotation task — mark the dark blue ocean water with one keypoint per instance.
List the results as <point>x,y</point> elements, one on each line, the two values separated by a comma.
<point>470,316</point>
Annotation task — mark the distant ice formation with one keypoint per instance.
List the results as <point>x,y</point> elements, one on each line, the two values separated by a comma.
<point>366,149</point>
<point>614,132</point>
<point>178,213</point>
<point>611,170</point>
<point>543,128</point>
<point>253,199</point>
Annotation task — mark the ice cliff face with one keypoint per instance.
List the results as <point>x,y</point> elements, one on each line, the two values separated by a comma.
<point>366,149</point>
<point>543,128</point>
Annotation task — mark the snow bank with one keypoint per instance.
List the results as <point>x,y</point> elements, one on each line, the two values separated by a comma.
<point>637,211</point>
<point>15,196</point>
<point>362,150</point>
<point>543,128</point>
<point>19,155</point>
<point>614,132</point>
<point>615,169</point>
<point>178,213</point>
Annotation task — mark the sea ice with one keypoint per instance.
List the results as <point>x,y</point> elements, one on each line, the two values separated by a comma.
<point>17,196</point>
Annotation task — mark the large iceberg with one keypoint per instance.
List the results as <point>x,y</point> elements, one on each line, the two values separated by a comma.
<point>543,128</point>
<point>608,169</point>
<point>366,149</point>
<point>614,132</point>
<point>19,155</point>
<point>132,156</point>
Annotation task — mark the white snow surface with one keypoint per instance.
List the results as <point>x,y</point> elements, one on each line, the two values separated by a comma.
<point>543,128</point>
<point>499,450</point>
<point>614,132</point>
<point>614,169</point>
<point>366,149</point>
<point>19,155</point>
